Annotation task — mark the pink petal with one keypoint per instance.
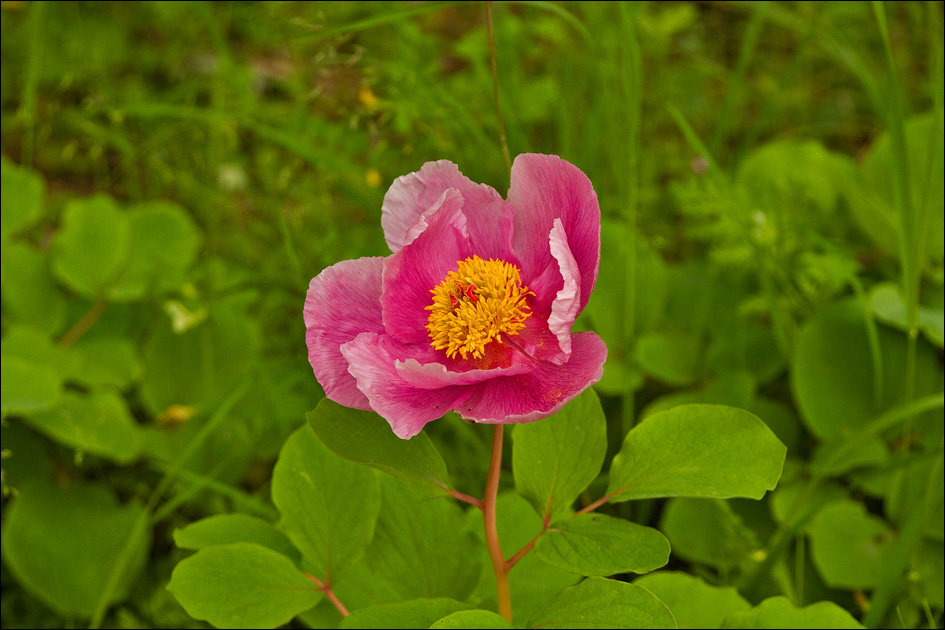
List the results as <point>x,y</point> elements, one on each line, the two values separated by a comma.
<point>372,360</point>
<point>438,240</point>
<point>540,393</point>
<point>410,196</point>
<point>343,301</point>
<point>545,188</point>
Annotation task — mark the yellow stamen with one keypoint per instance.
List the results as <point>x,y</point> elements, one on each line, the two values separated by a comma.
<point>475,304</point>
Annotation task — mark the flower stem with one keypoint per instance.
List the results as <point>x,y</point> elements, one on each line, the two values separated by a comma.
<point>85,322</point>
<point>492,535</point>
<point>495,89</point>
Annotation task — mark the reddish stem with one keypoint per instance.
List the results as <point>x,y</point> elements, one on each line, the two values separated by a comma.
<point>325,588</point>
<point>599,502</point>
<point>499,565</point>
<point>466,498</point>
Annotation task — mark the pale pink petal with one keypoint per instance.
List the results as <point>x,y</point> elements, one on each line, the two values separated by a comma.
<point>410,196</point>
<point>343,301</point>
<point>540,393</point>
<point>372,360</point>
<point>545,188</point>
<point>440,241</point>
<point>564,310</point>
<point>432,375</point>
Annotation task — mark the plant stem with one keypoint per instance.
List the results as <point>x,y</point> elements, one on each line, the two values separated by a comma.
<point>81,327</point>
<point>325,588</point>
<point>495,89</point>
<point>492,535</point>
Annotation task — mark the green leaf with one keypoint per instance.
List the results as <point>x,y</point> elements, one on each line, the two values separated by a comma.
<point>328,505</point>
<point>555,459</point>
<point>694,603</point>
<point>779,612</point>
<point>92,246</point>
<point>472,619</point>
<point>242,586</point>
<point>887,305</point>
<point>421,548</point>
<point>415,613</point>
<point>27,386</point>
<point>56,542</point>
<point>97,423</point>
<point>707,531</point>
<point>164,241</point>
<point>848,545</point>
<point>601,545</point>
<point>672,358</point>
<point>602,603</point>
<point>104,361</point>
<point>226,529</point>
<point>21,198</point>
<point>366,438</point>
<point>698,451</point>
<point>30,294</point>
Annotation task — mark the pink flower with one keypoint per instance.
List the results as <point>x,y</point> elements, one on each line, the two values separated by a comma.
<point>474,308</point>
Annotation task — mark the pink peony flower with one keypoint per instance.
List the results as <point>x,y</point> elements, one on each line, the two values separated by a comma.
<point>473,310</point>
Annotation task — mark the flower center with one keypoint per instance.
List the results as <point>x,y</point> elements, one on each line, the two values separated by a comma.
<point>475,304</point>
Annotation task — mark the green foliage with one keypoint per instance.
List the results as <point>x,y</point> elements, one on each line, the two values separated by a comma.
<point>769,175</point>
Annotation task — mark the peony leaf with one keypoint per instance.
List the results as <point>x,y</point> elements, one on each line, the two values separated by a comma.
<point>472,619</point>
<point>242,586</point>
<point>328,505</point>
<point>555,459</point>
<point>779,612</point>
<point>697,451</point>
<point>694,603</point>
<point>227,529</point>
<point>366,438</point>
<point>415,613</point>
<point>601,603</point>
<point>597,544</point>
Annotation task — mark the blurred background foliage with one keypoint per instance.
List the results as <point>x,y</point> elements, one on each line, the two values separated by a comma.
<point>174,173</point>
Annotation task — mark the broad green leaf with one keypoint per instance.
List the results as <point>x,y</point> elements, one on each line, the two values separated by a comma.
<point>27,386</point>
<point>21,198</point>
<point>30,294</point>
<point>694,603</point>
<point>555,459</point>
<point>832,376</point>
<point>532,582</point>
<point>226,529</point>
<point>104,361</point>
<point>672,358</point>
<point>328,505</point>
<point>60,544</point>
<point>847,544</point>
<point>201,366</point>
<point>97,423</point>
<point>735,389</point>
<point>242,585</point>
<point>601,603</point>
<point>779,612</point>
<point>421,548</point>
<point>887,305</point>
<point>472,619</point>
<point>415,613</point>
<point>92,246</point>
<point>366,438</point>
<point>163,243</point>
<point>837,457</point>
<point>707,531</point>
<point>601,545</point>
<point>697,451</point>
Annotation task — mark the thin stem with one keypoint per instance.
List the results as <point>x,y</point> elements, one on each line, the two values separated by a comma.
<point>495,89</point>
<point>459,496</point>
<point>325,588</point>
<point>82,326</point>
<point>492,535</point>
<point>599,502</point>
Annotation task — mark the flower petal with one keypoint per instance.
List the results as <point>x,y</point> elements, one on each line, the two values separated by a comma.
<point>410,196</point>
<point>545,188</point>
<point>541,392</point>
<point>343,301</point>
<point>438,240</point>
<point>372,362</point>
